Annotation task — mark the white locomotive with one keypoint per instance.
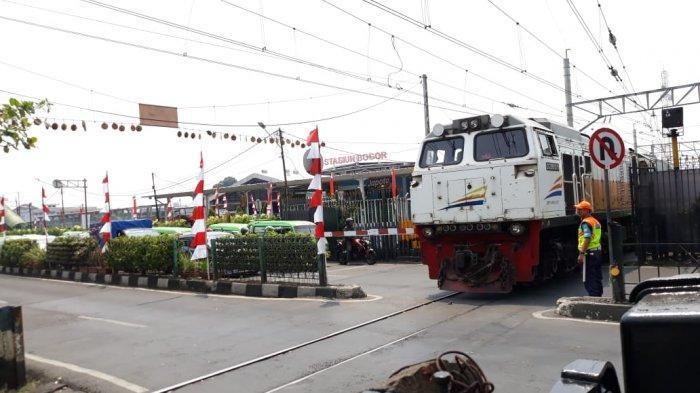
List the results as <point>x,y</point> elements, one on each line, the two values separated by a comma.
<point>492,199</point>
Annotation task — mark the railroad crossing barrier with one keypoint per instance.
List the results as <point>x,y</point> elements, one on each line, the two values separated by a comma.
<point>12,371</point>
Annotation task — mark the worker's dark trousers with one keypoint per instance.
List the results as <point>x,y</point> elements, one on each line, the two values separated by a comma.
<point>594,276</point>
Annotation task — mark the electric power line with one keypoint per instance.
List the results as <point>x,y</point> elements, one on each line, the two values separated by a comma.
<point>462,68</point>
<point>463,44</point>
<point>546,45</point>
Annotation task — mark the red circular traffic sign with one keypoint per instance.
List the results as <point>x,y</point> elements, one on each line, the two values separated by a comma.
<point>607,148</point>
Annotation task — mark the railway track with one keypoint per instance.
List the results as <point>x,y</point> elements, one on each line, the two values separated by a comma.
<point>318,340</point>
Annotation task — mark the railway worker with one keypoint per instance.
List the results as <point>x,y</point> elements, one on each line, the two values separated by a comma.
<point>589,250</point>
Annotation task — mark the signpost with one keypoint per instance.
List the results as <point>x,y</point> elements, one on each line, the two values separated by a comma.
<point>607,151</point>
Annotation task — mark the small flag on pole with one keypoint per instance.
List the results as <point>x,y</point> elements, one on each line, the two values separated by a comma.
<point>134,208</point>
<point>332,186</point>
<point>3,229</point>
<point>269,199</point>
<point>106,221</point>
<point>169,210</point>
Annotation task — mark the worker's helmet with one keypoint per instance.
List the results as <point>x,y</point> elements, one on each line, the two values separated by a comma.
<point>584,205</point>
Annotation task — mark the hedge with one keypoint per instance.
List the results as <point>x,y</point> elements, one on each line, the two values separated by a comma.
<point>68,252</point>
<point>147,254</point>
<point>282,254</point>
<point>12,251</point>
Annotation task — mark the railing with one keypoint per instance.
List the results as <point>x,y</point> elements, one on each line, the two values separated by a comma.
<point>653,260</point>
<point>367,214</point>
<point>273,259</point>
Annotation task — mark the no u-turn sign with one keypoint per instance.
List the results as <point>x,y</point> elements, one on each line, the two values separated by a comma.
<point>607,148</point>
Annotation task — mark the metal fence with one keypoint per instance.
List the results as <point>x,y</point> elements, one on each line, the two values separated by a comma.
<point>666,223</point>
<point>274,259</point>
<point>367,214</point>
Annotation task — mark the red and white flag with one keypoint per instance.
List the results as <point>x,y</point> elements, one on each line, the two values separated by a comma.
<point>199,227</point>
<point>216,200</point>
<point>253,208</point>
<point>106,221</point>
<point>316,186</point>
<point>225,203</point>
<point>44,208</point>
<point>169,210</point>
<point>331,190</point>
<point>269,199</point>
<point>134,208</point>
<point>3,229</point>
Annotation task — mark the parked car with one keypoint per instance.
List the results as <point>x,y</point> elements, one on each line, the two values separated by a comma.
<point>139,232</point>
<point>230,227</point>
<point>77,234</point>
<point>186,238</point>
<point>281,226</point>
<point>171,230</point>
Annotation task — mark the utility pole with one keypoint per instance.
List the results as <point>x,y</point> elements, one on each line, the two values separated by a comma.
<point>31,218</point>
<point>424,78</point>
<point>155,201</point>
<point>63,210</point>
<point>87,214</point>
<point>567,90</point>
<point>284,170</point>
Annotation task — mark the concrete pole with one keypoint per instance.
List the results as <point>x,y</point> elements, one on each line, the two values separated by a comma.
<point>87,214</point>
<point>155,200</point>
<point>567,90</point>
<point>284,171</point>
<point>425,103</point>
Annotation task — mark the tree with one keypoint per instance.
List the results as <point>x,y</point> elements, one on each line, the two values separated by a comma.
<point>226,182</point>
<point>14,123</point>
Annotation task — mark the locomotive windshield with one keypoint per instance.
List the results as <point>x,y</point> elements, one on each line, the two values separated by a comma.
<point>448,151</point>
<point>500,144</point>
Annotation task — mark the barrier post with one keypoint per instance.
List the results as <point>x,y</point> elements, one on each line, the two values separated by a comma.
<point>12,372</point>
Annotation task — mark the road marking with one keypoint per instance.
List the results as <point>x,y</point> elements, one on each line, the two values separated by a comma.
<point>369,298</point>
<point>134,325</point>
<point>540,315</point>
<point>347,268</point>
<point>345,361</point>
<point>93,373</point>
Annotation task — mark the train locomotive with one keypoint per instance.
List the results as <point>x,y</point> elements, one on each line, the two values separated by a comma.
<point>492,200</point>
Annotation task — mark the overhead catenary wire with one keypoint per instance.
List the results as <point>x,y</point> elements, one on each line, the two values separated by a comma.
<point>393,39</point>
<point>277,54</point>
<point>231,65</point>
<point>463,44</point>
<point>430,53</point>
<point>546,45</point>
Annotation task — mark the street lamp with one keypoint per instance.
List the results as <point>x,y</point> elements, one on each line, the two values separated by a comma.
<point>61,184</point>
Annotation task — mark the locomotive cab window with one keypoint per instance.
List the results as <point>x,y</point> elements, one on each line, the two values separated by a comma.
<point>500,145</point>
<point>547,144</point>
<point>448,151</point>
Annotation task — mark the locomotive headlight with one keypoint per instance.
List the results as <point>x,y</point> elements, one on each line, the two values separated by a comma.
<point>516,229</point>
<point>428,232</point>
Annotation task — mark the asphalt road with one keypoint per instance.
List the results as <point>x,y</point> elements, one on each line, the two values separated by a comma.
<point>109,339</point>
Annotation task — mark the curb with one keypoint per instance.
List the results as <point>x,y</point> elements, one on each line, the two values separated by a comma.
<point>221,287</point>
<point>585,307</point>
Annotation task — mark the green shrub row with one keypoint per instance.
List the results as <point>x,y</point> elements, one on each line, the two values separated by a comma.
<point>148,254</point>
<point>288,253</point>
<point>68,252</point>
<point>21,253</point>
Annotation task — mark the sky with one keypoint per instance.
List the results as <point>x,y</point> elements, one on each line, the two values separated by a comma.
<point>348,67</point>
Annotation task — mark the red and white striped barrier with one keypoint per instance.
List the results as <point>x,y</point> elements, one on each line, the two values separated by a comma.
<point>371,232</point>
